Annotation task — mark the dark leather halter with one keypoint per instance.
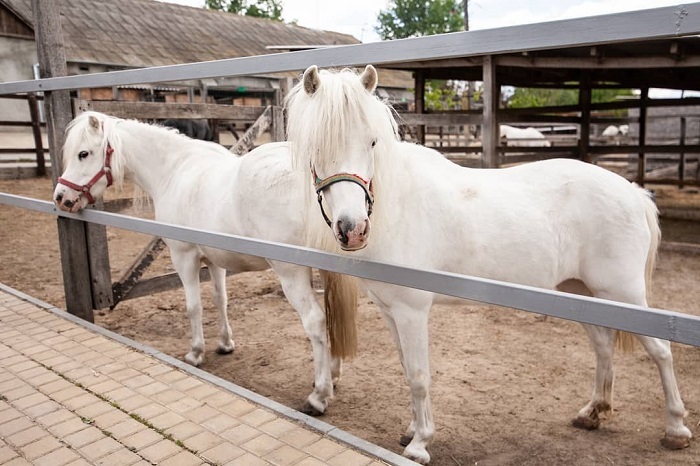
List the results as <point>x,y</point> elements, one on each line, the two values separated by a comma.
<point>106,170</point>
<point>321,184</point>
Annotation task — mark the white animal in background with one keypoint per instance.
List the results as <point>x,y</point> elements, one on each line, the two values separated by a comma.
<point>527,137</point>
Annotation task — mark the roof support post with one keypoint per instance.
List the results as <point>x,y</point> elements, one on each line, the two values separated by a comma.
<point>72,236</point>
<point>584,102</point>
<point>490,130</point>
<point>419,99</point>
<point>641,160</point>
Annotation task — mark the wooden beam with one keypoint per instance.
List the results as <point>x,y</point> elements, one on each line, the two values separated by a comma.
<point>247,141</point>
<point>121,290</point>
<point>584,102</point>
<point>277,129</point>
<point>72,238</point>
<point>490,134</point>
<point>36,132</point>
<point>614,63</point>
<point>165,282</point>
<point>419,102</point>
<point>163,111</point>
<point>641,162</point>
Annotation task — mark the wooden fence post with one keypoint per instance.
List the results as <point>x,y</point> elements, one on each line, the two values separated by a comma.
<point>71,233</point>
<point>36,131</point>
<point>490,131</point>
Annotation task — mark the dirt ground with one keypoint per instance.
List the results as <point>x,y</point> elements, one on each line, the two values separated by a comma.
<point>506,383</point>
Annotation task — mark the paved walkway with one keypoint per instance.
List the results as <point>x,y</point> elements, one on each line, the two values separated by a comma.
<point>74,394</point>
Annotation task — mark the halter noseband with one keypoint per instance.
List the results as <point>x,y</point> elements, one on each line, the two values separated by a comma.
<point>321,184</point>
<point>106,170</point>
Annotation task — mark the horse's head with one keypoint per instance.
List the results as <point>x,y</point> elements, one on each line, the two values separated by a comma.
<point>87,163</point>
<point>336,126</point>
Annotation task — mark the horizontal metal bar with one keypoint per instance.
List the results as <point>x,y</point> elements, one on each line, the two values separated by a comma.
<point>658,23</point>
<point>668,325</point>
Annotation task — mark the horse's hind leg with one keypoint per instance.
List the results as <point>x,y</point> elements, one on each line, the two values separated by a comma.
<point>218,280</point>
<point>603,342</point>
<point>186,261</point>
<point>677,434</point>
<point>296,284</point>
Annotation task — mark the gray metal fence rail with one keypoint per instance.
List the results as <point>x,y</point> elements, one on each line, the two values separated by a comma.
<point>674,326</point>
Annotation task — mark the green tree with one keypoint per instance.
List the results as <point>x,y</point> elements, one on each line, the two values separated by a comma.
<point>414,18</point>
<point>535,97</point>
<point>271,9</point>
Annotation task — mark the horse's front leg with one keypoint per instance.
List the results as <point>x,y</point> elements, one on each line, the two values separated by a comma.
<point>218,279</point>
<point>186,261</point>
<point>296,284</point>
<point>409,325</point>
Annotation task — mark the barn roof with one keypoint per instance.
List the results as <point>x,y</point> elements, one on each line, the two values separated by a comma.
<point>141,33</point>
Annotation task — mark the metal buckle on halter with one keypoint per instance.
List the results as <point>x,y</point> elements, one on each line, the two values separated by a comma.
<point>321,184</point>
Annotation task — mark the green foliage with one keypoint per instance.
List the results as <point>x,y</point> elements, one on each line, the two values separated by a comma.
<point>535,97</point>
<point>414,18</point>
<point>270,9</point>
<point>439,95</point>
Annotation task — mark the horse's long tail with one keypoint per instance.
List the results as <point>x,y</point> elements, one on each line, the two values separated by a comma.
<point>340,301</point>
<point>625,340</point>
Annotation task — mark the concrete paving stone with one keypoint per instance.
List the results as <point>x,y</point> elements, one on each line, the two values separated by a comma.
<point>300,437</point>
<point>142,439</point>
<point>95,341</point>
<point>203,441</point>
<point>26,436</point>
<point>142,363</point>
<point>13,360</point>
<point>79,462</point>
<point>185,430</point>
<point>79,372</point>
<point>66,345</point>
<point>126,428</point>
<point>138,381</point>
<point>203,391</point>
<point>119,394</point>
<point>23,366</point>
<point>80,401</point>
<point>160,451</point>
<point>40,448</point>
<point>57,339</point>
<point>19,461</point>
<point>324,449</point>
<point>220,423</point>
<point>219,399</point>
<point>99,449</point>
<point>222,453</point>
<point>5,375</point>
<point>156,370</point>
<point>258,417</point>
<point>84,437</point>
<point>111,368</point>
<point>87,356</point>
<point>121,457</point>
<point>8,413</point>
<point>238,407</point>
<point>168,396</point>
<point>14,426</point>
<point>32,372</point>
<point>125,375</point>
<point>110,418</point>
<point>247,460</point>
<point>184,458</point>
<point>262,445</point>
<point>167,420</point>
<point>310,462</point>
<point>89,379</point>
<point>12,384</point>
<point>19,392</point>
<point>201,413</point>
<point>241,434</point>
<point>6,454</point>
<point>67,393</point>
<point>34,399</point>
<point>59,457</point>
<point>68,427</point>
<point>172,377</point>
<point>41,409</point>
<point>55,387</point>
<point>285,456</point>
<point>278,427</point>
<point>150,410</point>
<point>43,379</point>
<point>134,402</point>
<point>184,404</point>
<point>96,409</point>
<point>98,362</point>
<point>131,356</point>
<point>46,356</point>
<point>349,458</point>
<point>152,388</point>
<point>74,350</point>
<point>187,383</point>
<point>57,360</point>
<point>105,386</point>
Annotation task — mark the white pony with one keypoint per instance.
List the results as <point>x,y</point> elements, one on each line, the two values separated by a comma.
<point>557,224</point>
<point>523,137</point>
<point>201,184</point>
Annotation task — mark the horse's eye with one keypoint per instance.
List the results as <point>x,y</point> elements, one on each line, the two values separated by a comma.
<point>82,154</point>
<point>374,143</point>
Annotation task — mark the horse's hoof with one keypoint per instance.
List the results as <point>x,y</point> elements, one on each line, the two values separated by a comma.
<point>420,456</point>
<point>675,442</point>
<point>224,350</point>
<point>405,440</point>
<point>586,423</point>
<point>310,410</point>
<point>195,361</point>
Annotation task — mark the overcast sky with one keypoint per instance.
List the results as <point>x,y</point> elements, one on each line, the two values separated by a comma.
<point>359,17</point>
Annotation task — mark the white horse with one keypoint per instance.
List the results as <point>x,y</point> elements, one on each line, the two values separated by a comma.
<point>201,184</point>
<point>523,137</point>
<point>557,224</point>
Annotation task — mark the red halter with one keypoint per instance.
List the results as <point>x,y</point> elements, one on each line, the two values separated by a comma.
<point>84,190</point>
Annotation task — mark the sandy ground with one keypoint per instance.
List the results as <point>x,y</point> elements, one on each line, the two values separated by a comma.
<point>506,383</point>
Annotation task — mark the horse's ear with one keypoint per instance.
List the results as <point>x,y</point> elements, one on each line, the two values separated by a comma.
<point>94,123</point>
<point>312,81</point>
<point>369,78</point>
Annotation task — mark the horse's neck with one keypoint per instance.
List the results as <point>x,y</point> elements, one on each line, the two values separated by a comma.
<point>151,155</point>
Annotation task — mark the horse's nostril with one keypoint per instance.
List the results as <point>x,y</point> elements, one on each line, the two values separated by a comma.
<point>59,198</point>
<point>69,204</point>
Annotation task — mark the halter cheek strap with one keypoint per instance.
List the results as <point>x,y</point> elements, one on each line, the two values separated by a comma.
<point>321,184</point>
<point>106,171</point>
